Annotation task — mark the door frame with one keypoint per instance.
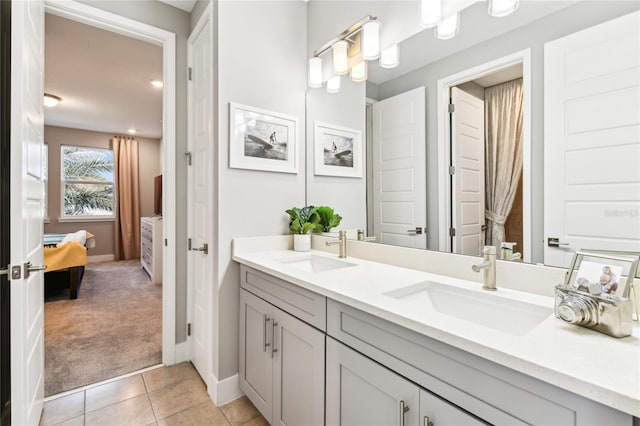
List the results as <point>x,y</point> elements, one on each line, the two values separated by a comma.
<point>444,140</point>
<point>167,40</point>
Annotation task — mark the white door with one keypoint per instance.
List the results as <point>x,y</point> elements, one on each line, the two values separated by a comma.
<point>399,170</point>
<point>27,211</point>
<point>592,140</point>
<point>468,198</point>
<point>200,196</point>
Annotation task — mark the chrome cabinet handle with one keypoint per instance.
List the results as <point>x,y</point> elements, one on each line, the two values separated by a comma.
<point>403,409</point>
<point>265,344</point>
<point>274,336</point>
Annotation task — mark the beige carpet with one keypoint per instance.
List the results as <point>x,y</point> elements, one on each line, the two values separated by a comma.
<point>113,327</point>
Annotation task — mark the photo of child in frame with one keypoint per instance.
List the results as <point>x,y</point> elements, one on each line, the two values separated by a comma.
<point>598,276</point>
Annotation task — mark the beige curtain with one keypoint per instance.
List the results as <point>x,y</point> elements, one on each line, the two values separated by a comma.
<point>503,154</point>
<point>127,228</point>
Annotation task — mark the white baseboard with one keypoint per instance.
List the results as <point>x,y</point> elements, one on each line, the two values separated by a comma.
<point>224,391</point>
<point>101,258</point>
<point>182,352</point>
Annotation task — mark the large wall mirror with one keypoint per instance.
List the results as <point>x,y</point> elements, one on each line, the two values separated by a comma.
<point>434,194</point>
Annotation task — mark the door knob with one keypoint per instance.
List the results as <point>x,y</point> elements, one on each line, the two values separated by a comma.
<point>28,268</point>
<point>204,248</point>
<point>417,231</point>
<point>555,242</point>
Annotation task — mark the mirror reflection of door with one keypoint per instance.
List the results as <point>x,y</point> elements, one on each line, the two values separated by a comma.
<point>399,170</point>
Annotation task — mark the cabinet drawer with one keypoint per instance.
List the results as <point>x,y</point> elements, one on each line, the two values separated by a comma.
<point>299,302</point>
<point>494,393</point>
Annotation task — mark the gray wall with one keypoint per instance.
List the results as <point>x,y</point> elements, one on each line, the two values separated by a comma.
<point>54,137</point>
<point>534,35</point>
<point>169,18</point>
<point>261,63</point>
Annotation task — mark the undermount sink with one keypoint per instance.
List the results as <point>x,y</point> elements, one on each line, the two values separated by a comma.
<point>313,263</point>
<point>487,309</point>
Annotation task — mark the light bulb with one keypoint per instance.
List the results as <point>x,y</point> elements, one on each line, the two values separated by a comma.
<point>371,40</point>
<point>501,8</point>
<point>340,57</point>
<point>390,57</point>
<point>447,28</point>
<point>359,72</point>
<point>333,84</point>
<point>315,72</point>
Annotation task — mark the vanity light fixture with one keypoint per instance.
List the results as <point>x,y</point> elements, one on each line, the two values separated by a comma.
<point>333,84</point>
<point>51,100</point>
<point>349,51</point>
<point>501,8</point>
<point>447,28</point>
<point>431,12</point>
<point>390,57</point>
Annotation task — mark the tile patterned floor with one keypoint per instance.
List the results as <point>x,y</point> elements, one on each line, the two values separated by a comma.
<point>163,396</point>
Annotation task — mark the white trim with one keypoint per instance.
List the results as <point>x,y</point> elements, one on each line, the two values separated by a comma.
<point>128,27</point>
<point>101,258</point>
<point>224,391</point>
<point>182,351</point>
<point>444,84</point>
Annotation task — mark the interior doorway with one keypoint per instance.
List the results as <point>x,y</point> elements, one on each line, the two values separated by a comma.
<point>452,217</point>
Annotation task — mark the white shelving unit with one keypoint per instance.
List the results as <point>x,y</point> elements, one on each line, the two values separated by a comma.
<point>151,247</point>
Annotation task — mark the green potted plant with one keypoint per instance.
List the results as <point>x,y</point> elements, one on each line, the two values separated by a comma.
<point>328,218</point>
<point>302,222</point>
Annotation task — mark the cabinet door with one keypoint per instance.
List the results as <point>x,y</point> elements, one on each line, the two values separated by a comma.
<point>256,365</point>
<point>298,372</point>
<point>437,412</point>
<point>362,392</point>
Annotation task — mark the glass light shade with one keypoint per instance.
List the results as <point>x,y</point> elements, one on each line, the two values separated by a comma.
<point>51,100</point>
<point>359,72</point>
<point>340,57</point>
<point>315,72</point>
<point>431,12</point>
<point>500,8</point>
<point>333,84</point>
<point>390,57</point>
<point>371,40</point>
<point>448,27</point>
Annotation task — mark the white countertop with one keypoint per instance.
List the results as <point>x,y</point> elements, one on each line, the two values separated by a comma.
<point>585,362</point>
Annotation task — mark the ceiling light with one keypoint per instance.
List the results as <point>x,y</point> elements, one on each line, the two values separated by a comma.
<point>447,28</point>
<point>371,40</point>
<point>431,12</point>
<point>333,84</point>
<point>500,8</point>
<point>315,72</point>
<point>132,131</point>
<point>51,100</point>
<point>390,57</point>
<point>157,84</point>
<point>359,72</point>
<point>340,57</point>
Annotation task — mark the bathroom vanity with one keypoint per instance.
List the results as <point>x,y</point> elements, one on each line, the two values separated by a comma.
<point>353,341</point>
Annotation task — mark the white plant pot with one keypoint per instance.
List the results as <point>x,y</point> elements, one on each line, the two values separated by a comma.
<point>302,242</point>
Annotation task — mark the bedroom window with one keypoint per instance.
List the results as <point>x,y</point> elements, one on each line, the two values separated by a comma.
<point>87,183</point>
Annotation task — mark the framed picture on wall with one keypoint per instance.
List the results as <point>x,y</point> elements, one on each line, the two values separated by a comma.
<point>262,140</point>
<point>337,151</point>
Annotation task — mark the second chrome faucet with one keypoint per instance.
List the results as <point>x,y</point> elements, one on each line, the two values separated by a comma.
<point>488,268</point>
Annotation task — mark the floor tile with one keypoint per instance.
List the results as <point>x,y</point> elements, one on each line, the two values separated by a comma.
<point>240,411</point>
<point>203,414</point>
<point>165,376</point>
<point>134,411</point>
<point>76,421</point>
<point>174,398</point>
<point>110,393</point>
<point>62,409</point>
<point>257,421</point>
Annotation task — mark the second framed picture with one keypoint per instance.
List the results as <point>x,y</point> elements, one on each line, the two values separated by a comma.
<point>337,151</point>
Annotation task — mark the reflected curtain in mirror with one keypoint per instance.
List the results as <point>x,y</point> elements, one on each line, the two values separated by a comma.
<point>127,226</point>
<point>503,154</point>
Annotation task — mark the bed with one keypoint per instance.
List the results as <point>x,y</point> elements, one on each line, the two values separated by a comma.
<point>66,256</point>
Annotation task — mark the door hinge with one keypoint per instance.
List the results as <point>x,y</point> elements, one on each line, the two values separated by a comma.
<point>188,155</point>
<point>188,243</point>
<point>188,329</point>
<point>452,108</point>
<point>190,72</point>
<point>13,272</point>
<point>452,170</point>
<point>452,232</point>
<point>166,242</point>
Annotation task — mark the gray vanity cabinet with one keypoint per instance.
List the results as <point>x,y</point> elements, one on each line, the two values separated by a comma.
<point>281,363</point>
<point>437,412</point>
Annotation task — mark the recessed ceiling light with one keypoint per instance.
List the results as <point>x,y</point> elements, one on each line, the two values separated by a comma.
<point>157,84</point>
<point>132,131</point>
<point>51,100</point>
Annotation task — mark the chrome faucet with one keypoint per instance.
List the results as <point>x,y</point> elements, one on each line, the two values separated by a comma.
<point>342,240</point>
<point>361,236</point>
<point>488,267</point>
